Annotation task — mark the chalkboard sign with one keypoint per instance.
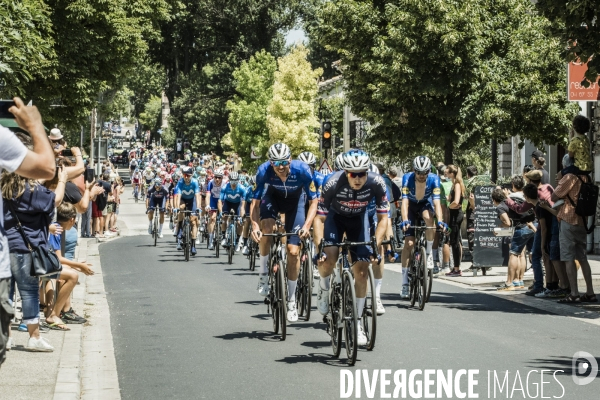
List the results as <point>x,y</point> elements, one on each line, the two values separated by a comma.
<point>488,248</point>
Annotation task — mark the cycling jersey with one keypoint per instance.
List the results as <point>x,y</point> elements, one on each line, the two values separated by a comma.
<point>136,178</point>
<point>228,193</point>
<point>158,197</point>
<point>215,193</point>
<point>318,179</point>
<point>340,197</point>
<point>248,198</point>
<point>300,177</point>
<point>187,191</point>
<point>432,188</point>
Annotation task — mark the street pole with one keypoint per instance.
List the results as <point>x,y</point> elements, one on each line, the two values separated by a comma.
<point>92,137</point>
<point>494,160</point>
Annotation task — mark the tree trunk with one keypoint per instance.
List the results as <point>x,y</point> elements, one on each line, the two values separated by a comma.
<point>448,150</point>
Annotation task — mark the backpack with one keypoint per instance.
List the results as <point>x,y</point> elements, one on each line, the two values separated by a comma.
<point>587,201</point>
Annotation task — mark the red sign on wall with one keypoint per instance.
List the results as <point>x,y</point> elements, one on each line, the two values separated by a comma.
<point>576,91</point>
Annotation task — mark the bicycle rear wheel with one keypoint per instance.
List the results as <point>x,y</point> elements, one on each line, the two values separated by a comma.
<point>349,315</point>
<point>369,316</point>
<point>186,242</point>
<point>422,281</point>
<point>281,299</point>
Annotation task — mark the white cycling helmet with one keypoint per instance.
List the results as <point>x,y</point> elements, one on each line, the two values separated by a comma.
<point>279,152</point>
<point>307,157</point>
<point>233,176</point>
<point>422,164</point>
<point>337,164</point>
<point>218,172</point>
<point>356,161</point>
<point>373,168</point>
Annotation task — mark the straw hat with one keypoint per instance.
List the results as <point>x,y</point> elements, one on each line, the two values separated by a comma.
<point>55,134</point>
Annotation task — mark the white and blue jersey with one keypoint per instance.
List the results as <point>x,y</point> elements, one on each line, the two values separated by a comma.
<point>215,194</point>
<point>318,179</point>
<point>248,198</point>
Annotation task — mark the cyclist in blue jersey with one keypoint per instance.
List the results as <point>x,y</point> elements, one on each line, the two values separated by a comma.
<point>187,195</point>
<point>420,197</point>
<point>247,203</point>
<point>281,186</point>
<point>343,209</point>
<point>213,194</point>
<point>232,197</point>
<point>156,198</point>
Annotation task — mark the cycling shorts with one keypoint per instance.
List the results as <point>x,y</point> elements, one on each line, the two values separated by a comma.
<point>214,203</point>
<point>158,203</point>
<point>228,206</point>
<point>356,230</point>
<point>149,181</point>
<point>415,212</point>
<point>271,205</point>
<point>190,204</point>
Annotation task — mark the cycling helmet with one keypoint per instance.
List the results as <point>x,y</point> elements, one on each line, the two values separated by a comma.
<point>202,172</point>
<point>234,176</point>
<point>157,182</point>
<point>162,173</point>
<point>168,178</point>
<point>338,162</point>
<point>136,170</point>
<point>187,171</point>
<point>279,152</point>
<point>373,168</point>
<point>356,161</point>
<point>422,164</point>
<point>307,157</point>
<point>218,172</point>
<point>251,180</point>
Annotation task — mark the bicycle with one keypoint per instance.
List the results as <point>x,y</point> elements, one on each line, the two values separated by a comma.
<point>277,297</point>
<point>342,314</point>
<point>136,191</point>
<point>444,238</point>
<point>305,281</point>
<point>253,252</point>
<point>155,222</point>
<point>203,230</point>
<point>231,235</point>
<point>418,273</point>
<point>186,234</point>
<point>217,235</point>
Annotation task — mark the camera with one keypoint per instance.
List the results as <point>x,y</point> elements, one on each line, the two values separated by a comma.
<point>66,153</point>
<point>4,106</point>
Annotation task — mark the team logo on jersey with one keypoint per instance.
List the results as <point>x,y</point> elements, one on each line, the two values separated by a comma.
<point>354,204</point>
<point>436,191</point>
<point>312,187</point>
<point>405,190</point>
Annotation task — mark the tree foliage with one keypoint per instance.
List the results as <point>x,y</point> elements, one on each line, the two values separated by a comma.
<point>152,111</point>
<point>576,22</point>
<point>291,115</point>
<point>248,109</point>
<point>452,73</point>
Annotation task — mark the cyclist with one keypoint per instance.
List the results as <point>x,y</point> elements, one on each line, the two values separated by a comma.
<point>247,202</point>
<point>281,185</point>
<point>187,195</point>
<point>318,178</point>
<point>420,197</point>
<point>232,196</point>
<point>343,210</point>
<point>136,178</point>
<point>148,176</point>
<point>156,198</point>
<point>213,194</point>
<point>133,165</point>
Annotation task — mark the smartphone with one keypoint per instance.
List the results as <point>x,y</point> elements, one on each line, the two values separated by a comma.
<point>89,175</point>
<point>4,106</point>
<point>66,153</point>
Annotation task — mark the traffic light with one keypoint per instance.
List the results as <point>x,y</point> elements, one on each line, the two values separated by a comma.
<point>326,135</point>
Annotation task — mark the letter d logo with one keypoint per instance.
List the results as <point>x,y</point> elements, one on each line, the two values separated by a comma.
<point>580,367</point>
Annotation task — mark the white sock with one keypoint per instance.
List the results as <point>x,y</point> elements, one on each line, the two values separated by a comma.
<point>324,282</point>
<point>405,276</point>
<point>211,237</point>
<point>264,260</point>
<point>360,305</point>
<point>429,246</point>
<point>378,287</point>
<point>159,228</point>
<point>436,255</point>
<point>291,290</point>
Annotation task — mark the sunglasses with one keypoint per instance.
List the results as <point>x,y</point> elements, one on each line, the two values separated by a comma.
<point>422,173</point>
<point>187,175</point>
<point>357,174</point>
<point>218,177</point>
<point>283,163</point>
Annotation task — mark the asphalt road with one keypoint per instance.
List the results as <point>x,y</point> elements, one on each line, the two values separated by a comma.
<point>198,329</point>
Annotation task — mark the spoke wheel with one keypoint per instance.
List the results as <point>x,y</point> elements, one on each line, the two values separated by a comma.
<point>308,282</point>
<point>273,301</point>
<point>281,299</point>
<point>186,242</point>
<point>350,320</point>
<point>369,316</point>
<point>422,281</point>
<point>230,249</point>
<point>217,240</point>
<point>155,229</point>
<point>414,278</point>
<point>429,284</point>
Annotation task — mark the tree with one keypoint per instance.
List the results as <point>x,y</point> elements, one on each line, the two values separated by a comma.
<point>152,112</point>
<point>291,115</point>
<point>254,81</point>
<point>452,73</point>
<point>576,22</point>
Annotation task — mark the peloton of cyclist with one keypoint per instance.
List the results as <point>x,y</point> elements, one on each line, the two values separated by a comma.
<point>213,194</point>
<point>420,197</point>
<point>187,196</point>
<point>343,210</point>
<point>281,185</point>
<point>156,198</point>
<point>232,196</point>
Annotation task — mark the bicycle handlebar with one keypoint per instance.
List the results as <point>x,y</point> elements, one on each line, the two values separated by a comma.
<point>347,244</point>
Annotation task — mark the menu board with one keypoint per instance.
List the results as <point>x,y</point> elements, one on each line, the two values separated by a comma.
<point>487,250</point>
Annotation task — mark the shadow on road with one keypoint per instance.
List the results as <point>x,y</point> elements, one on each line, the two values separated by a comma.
<point>260,335</point>
<point>564,363</point>
<point>314,358</point>
<point>316,345</point>
<point>481,302</point>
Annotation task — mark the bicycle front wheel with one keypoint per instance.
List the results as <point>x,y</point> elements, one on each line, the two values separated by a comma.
<point>155,230</point>
<point>273,299</point>
<point>349,315</point>
<point>307,275</point>
<point>281,299</point>
<point>186,242</point>
<point>413,278</point>
<point>369,315</point>
<point>422,281</point>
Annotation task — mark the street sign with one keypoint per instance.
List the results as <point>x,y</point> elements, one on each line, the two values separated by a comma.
<point>576,91</point>
<point>253,154</point>
<point>325,168</point>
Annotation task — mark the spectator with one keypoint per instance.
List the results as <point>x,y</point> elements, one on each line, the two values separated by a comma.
<point>445,188</point>
<point>37,163</point>
<point>573,237</point>
<point>538,161</point>
<point>579,147</point>
<point>57,141</point>
<point>455,200</point>
<point>396,218</point>
<point>99,206</point>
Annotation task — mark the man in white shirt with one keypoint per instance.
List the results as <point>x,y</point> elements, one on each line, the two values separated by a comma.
<point>38,163</point>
